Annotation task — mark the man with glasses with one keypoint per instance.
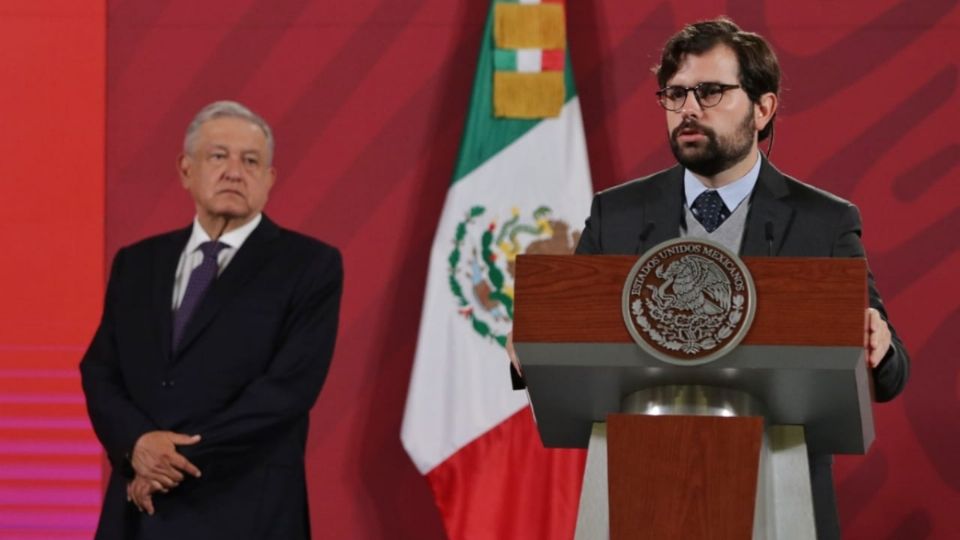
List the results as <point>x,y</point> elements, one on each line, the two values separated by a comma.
<point>719,87</point>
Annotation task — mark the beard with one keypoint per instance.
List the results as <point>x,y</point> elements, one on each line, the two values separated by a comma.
<point>717,153</point>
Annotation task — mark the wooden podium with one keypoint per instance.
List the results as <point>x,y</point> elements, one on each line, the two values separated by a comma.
<point>717,450</point>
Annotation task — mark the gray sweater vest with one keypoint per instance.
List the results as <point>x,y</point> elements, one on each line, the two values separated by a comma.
<point>729,234</point>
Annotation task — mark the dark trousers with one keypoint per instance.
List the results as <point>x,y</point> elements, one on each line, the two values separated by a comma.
<point>824,497</point>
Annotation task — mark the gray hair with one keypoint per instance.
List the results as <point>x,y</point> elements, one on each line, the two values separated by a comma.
<point>226,109</point>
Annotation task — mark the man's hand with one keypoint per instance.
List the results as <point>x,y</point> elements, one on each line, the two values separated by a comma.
<point>512,353</point>
<point>876,338</point>
<point>140,492</point>
<point>155,458</point>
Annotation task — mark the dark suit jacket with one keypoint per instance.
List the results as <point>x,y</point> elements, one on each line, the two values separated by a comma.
<point>803,221</point>
<point>249,368</point>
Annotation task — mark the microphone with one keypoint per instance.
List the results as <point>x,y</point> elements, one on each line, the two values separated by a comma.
<point>768,234</point>
<point>642,237</point>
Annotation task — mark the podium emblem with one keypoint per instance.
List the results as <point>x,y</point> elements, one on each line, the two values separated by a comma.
<point>688,302</point>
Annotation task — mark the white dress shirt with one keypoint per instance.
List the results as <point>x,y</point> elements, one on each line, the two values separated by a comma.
<point>191,257</point>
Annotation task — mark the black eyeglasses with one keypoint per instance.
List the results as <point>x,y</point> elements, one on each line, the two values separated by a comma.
<point>708,94</point>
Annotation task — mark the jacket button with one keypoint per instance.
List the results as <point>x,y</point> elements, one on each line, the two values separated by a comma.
<point>167,384</point>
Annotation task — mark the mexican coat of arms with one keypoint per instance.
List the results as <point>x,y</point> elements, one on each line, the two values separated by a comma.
<point>688,301</point>
<point>481,264</point>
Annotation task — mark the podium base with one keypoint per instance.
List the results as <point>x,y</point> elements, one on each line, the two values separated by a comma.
<point>783,506</point>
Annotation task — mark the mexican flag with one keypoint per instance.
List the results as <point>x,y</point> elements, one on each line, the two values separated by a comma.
<point>521,185</point>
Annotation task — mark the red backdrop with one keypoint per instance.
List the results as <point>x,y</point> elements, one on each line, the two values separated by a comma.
<point>368,98</point>
<point>51,275</point>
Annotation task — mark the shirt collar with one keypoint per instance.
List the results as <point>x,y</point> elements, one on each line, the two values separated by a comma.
<point>233,239</point>
<point>732,194</point>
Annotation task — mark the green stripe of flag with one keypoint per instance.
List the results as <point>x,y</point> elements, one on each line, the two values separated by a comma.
<point>505,59</point>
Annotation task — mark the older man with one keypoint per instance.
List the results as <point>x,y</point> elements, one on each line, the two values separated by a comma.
<point>214,343</point>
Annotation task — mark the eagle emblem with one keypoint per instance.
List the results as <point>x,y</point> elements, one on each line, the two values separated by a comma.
<point>688,301</point>
<point>482,263</point>
<point>694,284</point>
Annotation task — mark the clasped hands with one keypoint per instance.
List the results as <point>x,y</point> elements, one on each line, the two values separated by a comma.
<point>159,467</point>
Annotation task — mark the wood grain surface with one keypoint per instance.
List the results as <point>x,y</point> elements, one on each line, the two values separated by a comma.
<point>682,477</point>
<point>800,301</point>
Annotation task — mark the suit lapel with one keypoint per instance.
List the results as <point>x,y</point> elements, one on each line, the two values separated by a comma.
<point>164,272</point>
<point>664,209</point>
<point>767,206</point>
<point>248,260</point>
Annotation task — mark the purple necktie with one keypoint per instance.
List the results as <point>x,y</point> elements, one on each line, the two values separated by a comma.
<point>200,280</point>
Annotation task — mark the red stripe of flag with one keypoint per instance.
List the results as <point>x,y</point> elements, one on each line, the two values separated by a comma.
<point>552,60</point>
<point>494,487</point>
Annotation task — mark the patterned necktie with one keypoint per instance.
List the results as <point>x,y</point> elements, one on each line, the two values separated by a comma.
<point>200,280</point>
<point>709,210</point>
